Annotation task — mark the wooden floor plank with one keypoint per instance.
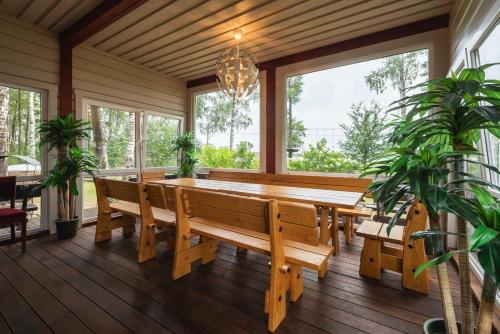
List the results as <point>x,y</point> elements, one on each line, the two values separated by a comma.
<point>89,313</point>
<point>54,314</point>
<point>17,313</point>
<point>104,282</point>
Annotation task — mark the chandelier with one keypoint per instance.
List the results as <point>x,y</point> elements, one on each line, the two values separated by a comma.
<point>236,71</point>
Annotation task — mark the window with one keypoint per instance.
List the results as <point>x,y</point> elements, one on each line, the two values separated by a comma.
<point>487,53</point>
<point>228,131</point>
<point>125,141</point>
<point>20,153</point>
<point>335,118</point>
<point>159,132</point>
<point>112,138</point>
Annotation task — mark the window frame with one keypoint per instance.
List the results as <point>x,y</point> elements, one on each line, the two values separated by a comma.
<point>213,87</point>
<point>412,43</point>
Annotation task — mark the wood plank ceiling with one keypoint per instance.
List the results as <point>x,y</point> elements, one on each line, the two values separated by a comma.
<point>183,38</point>
<point>53,15</point>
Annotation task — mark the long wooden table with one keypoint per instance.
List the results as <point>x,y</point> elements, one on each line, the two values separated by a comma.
<point>325,199</point>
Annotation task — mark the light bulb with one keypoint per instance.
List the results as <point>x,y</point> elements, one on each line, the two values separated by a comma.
<point>237,34</point>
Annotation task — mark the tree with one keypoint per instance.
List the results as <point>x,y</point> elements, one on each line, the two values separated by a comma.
<point>401,71</point>
<point>100,138</point>
<point>4,112</point>
<point>130,153</point>
<point>239,117</point>
<point>30,126</point>
<point>212,113</point>
<point>244,157</point>
<point>295,128</point>
<point>364,136</point>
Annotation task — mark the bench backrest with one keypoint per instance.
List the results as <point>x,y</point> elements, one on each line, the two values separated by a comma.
<point>248,177</point>
<point>120,190</point>
<point>152,176</point>
<point>417,220</point>
<point>323,182</point>
<point>299,222</point>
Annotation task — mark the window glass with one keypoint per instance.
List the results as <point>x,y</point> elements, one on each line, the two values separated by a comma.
<point>112,137</point>
<point>335,118</point>
<point>158,145</point>
<point>20,154</point>
<point>487,53</point>
<point>228,131</point>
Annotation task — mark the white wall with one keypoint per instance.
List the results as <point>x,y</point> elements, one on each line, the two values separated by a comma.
<point>29,56</point>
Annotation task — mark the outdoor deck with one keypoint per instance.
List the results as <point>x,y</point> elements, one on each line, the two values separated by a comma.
<point>81,287</point>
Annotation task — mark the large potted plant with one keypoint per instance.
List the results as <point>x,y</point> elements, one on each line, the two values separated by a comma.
<point>186,147</point>
<point>62,133</point>
<point>450,112</point>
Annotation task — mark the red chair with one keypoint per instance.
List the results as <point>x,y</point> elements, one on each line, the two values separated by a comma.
<point>12,216</point>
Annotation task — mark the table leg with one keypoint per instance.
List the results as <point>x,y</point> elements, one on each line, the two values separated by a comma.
<point>335,230</point>
<point>324,234</point>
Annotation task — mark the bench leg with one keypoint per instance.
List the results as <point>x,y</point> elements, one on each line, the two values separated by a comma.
<point>324,236</point>
<point>13,232</point>
<point>413,256</point>
<point>170,237</point>
<point>296,282</point>
<point>370,258</point>
<point>347,229</point>
<point>147,243</point>
<point>187,254</point>
<point>23,234</point>
<point>103,228</point>
<point>276,304</point>
<point>324,269</point>
<point>335,230</point>
<point>128,225</point>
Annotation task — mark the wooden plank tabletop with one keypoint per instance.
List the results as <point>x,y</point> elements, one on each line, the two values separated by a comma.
<point>319,197</point>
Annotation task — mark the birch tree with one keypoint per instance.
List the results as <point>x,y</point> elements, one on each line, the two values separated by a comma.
<point>4,112</point>
<point>30,126</point>
<point>100,138</point>
<point>130,153</point>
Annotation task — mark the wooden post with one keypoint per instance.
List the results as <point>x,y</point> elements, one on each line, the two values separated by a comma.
<point>147,239</point>
<point>103,225</point>
<point>324,234</point>
<point>370,258</point>
<point>335,230</point>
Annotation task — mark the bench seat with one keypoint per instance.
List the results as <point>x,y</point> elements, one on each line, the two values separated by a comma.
<point>312,257</point>
<point>161,216</point>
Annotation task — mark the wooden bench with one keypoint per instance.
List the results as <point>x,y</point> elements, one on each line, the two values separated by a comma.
<point>286,231</point>
<point>135,200</point>
<point>152,176</point>
<point>378,254</point>
<point>248,177</point>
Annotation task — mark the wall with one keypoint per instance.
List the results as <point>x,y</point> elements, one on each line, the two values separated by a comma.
<point>29,56</point>
<point>469,21</point>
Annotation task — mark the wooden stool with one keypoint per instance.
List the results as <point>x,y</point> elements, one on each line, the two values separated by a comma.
<point>350,216</point>
<point>376,255</point>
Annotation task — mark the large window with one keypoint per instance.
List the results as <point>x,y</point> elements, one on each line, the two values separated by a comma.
<point>487,53</point>
<point>335,118</point>
<point>20,153</point>
<point>125,141</point>
<point>228,130</point>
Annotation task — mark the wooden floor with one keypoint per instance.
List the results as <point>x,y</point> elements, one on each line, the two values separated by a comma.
<point>79,287</point>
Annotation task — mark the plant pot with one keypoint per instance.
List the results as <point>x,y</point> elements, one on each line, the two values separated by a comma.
<point>436,326</point>
<point>66,229</point>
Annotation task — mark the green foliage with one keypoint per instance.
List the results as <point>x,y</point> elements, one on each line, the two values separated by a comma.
<point>364,136</point>
<point>160,150</point>
<point>401,71</point>
<point>186,147</point>
<point>295,128</point>
<point>223,157</point>
<point>320,158</point>
<point>63,133</point>
<point>213,112</point>
<point>296,134</point>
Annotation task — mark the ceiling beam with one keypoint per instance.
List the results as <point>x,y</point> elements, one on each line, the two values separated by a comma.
<point>105,14</point>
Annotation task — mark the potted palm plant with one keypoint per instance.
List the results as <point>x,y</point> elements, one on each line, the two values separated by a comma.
<point>452,112</point>
<point>186,148</point>
<point>62,133</point>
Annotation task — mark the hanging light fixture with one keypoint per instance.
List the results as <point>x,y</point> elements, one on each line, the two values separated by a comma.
<point>236,70</point>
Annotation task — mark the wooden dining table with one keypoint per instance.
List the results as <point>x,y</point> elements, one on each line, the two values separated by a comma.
<point>327,200</point>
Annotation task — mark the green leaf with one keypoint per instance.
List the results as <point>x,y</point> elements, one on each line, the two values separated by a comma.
<point>489,258</point>
<point>482,235</point>
<point>434,262</point>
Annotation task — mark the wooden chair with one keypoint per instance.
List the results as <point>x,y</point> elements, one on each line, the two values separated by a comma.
<point>254,224</point>
<point>12,216</point>
<point>378,254</point>
<point>247,177</point>
<point>152,176</point>
<point>134,200</point>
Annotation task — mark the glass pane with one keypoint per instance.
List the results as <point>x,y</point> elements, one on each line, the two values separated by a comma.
<point>112,137</point>
<point>20,155</point>
<point>489,52</point>
<point>229,132</point>
<point>335,118</point>
<point>159,149</point>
